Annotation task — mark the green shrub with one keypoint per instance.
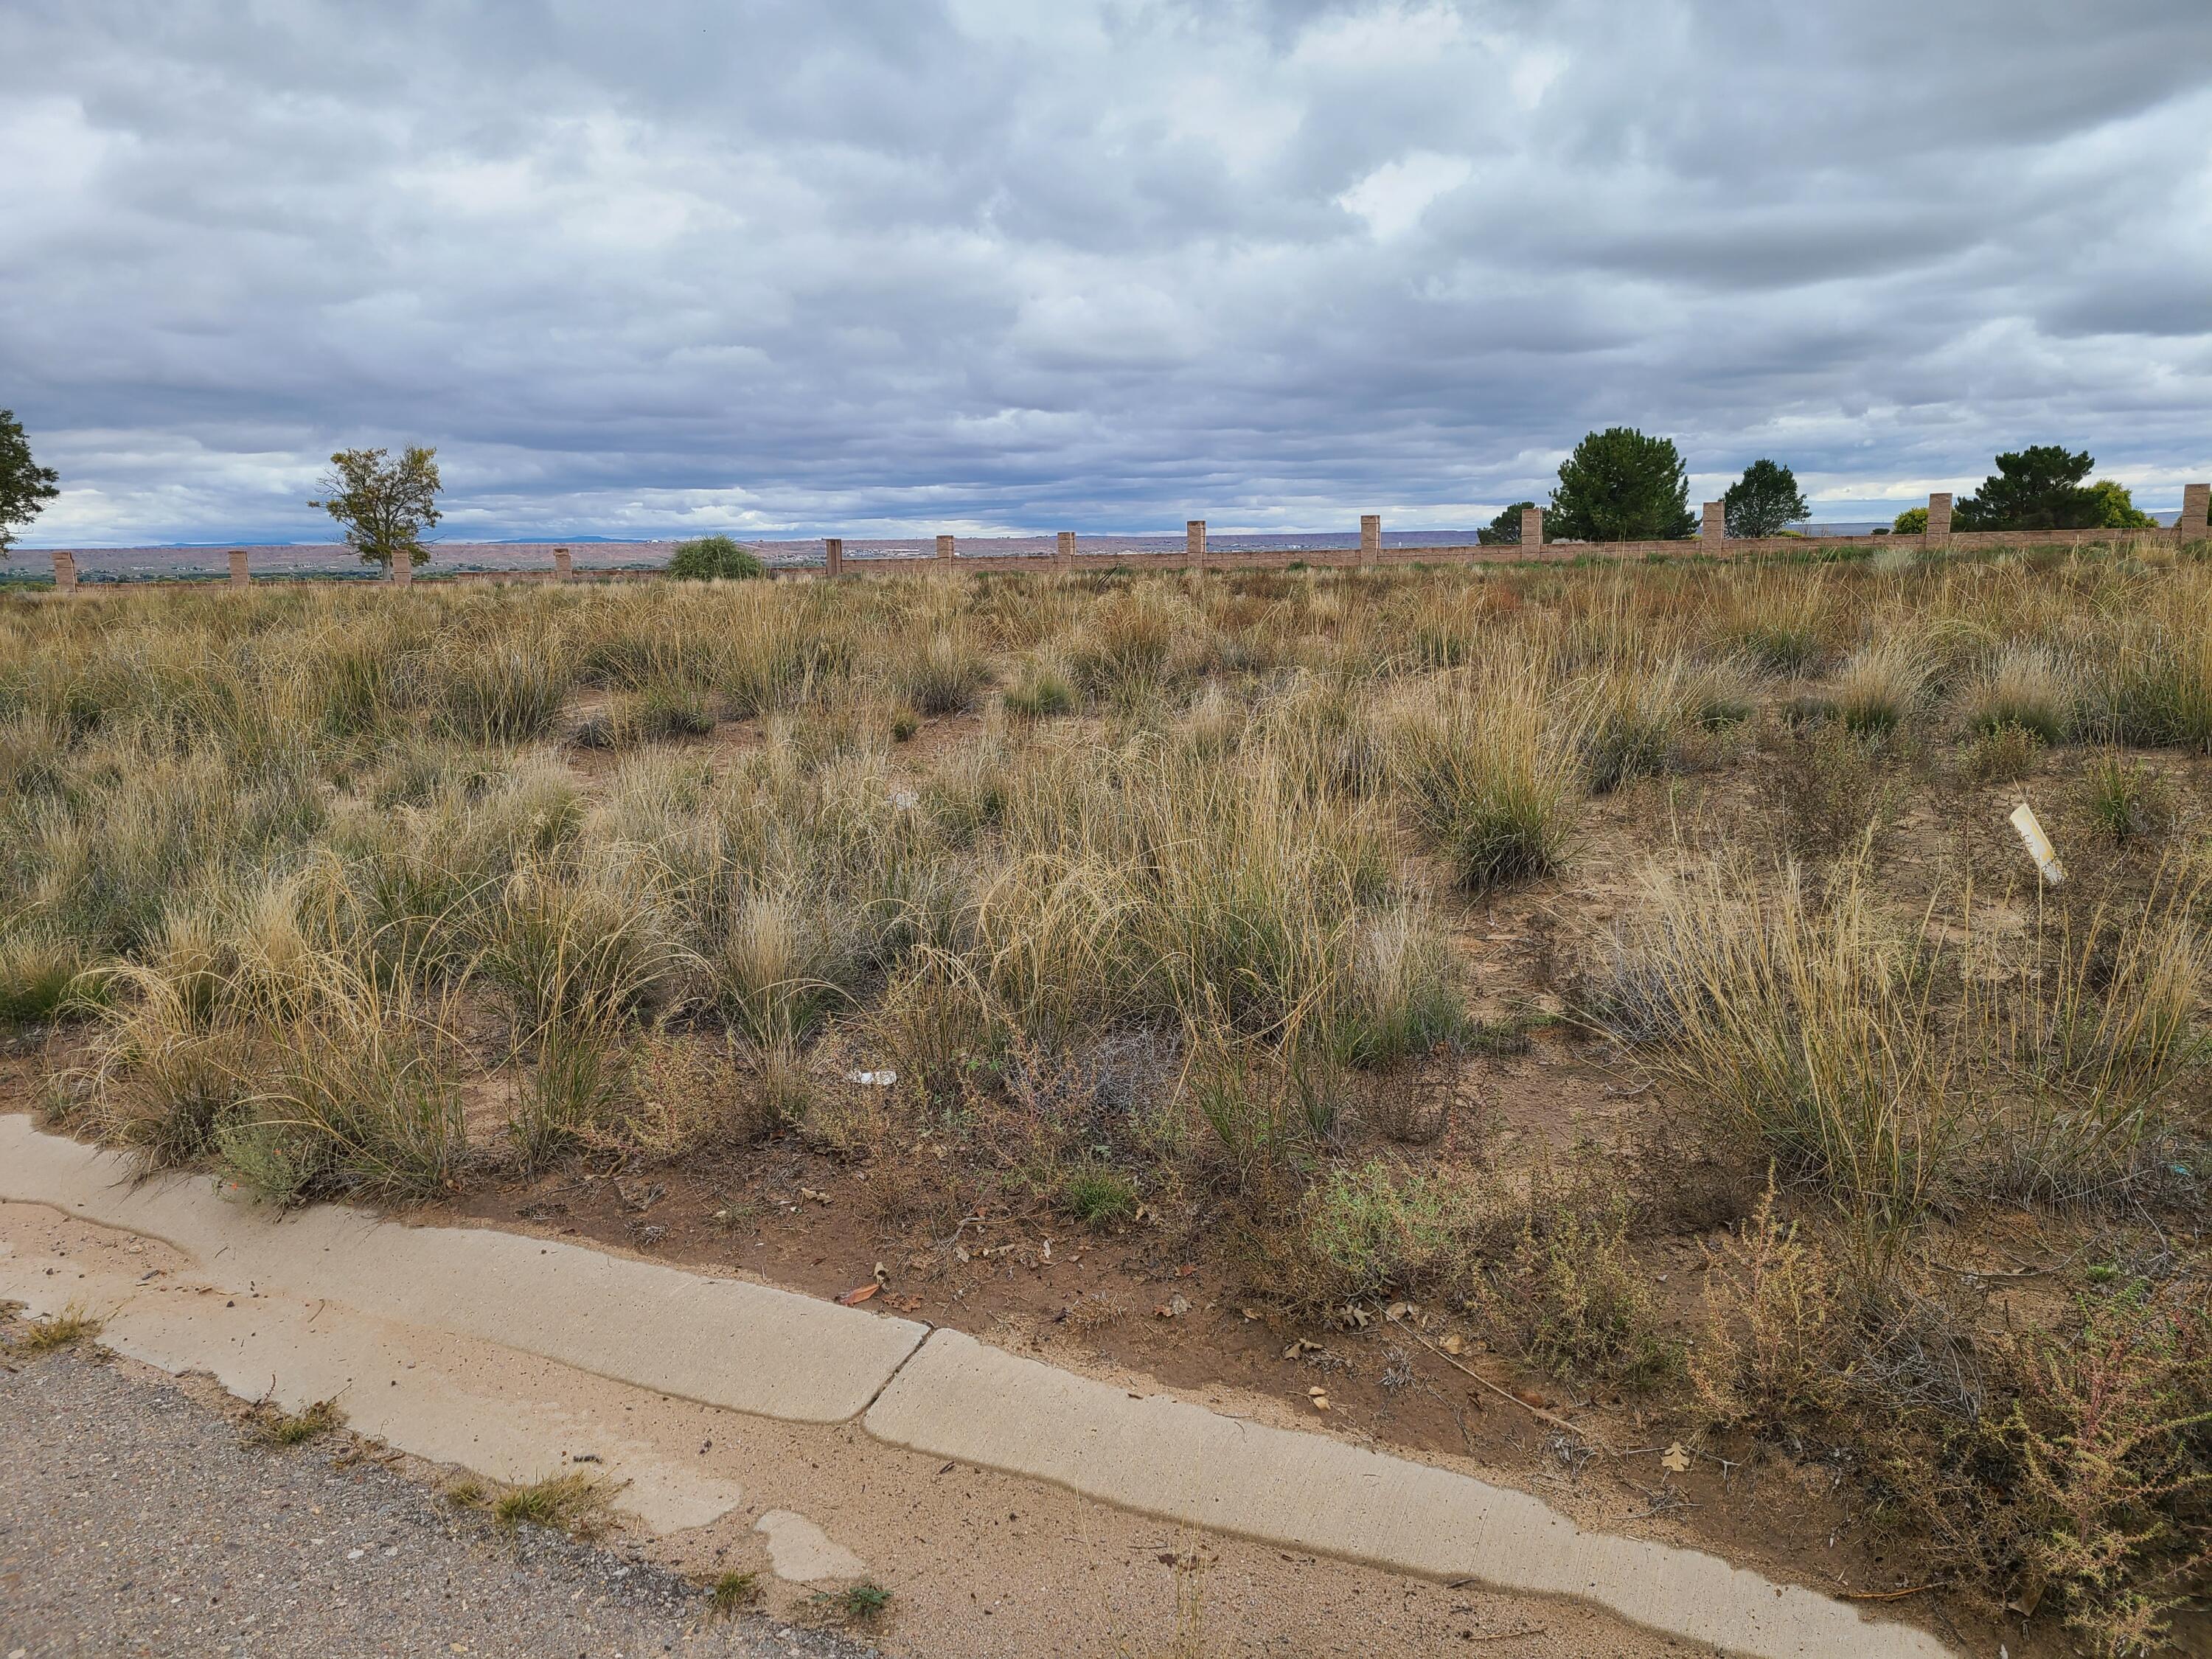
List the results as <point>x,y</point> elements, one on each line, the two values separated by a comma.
<point>1577,1302</point>
<point>714,558</point>
<point>1379,1228</point>
<point>2002,753</point>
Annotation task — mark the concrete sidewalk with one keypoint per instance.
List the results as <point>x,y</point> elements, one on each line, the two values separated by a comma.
<point>334,1289</point>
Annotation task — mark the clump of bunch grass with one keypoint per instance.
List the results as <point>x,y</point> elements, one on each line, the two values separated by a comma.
<point>270,1425</point>
<point>1493,778</point>
<point>1633,721</point>
<point>1881,685</point>
<point>779,968</point>
<point>1803,1020</point>
<point>2095,1024</point>
<point>576,1505</point>
<point>1098,1195</point>
<point>501,691</point>
<point>1781,622</point>
<point>42,976</point>
<point>72,1325</point>
<point>732,1592</point>
<point>943,674</point>
<point>1043,691</point>
<point>2030,689</point>
<point>2126,799</point>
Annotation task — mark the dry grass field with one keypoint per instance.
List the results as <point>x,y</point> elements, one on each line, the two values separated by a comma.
<point>1622,982</point>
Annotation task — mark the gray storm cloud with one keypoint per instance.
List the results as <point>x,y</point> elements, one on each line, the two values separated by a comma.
<point>891,264</point>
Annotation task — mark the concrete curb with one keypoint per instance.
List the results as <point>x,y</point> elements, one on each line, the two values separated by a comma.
<point>722,1342</point>
<point>960,1399</point>
<point>770,1353</point>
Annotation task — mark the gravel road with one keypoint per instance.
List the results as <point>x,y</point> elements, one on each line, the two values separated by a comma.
<point>135,1520</point>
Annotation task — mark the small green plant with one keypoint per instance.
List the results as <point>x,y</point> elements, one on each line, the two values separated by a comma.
<point>733,1592</point>
<point>1380,1227</point>
<point>714,558</point>
<point>1773,1347</point>
<point>65,1329</point>
<point>1098,1196</point>
<point>904,724</point>
<point>855,1604</point>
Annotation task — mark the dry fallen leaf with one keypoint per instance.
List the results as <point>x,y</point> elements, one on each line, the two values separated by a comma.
<point>860,1293</point>
<point>1675,1458</point>
<point>1321,1402</point>
<point>1453,1344</point>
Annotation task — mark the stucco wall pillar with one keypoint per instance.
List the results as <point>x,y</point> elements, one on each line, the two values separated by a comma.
<point>2196,502</point>
<point>1939,516</point>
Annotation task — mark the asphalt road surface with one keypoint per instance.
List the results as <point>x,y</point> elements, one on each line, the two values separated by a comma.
<point>134,1520</point>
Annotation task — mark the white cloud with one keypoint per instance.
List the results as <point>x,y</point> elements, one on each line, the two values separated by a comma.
<point>900,262</point>
<point>1393,197</point>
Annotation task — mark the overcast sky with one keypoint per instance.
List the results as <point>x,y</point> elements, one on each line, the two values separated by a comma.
<point>884,266</point>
